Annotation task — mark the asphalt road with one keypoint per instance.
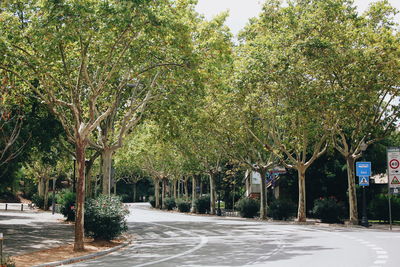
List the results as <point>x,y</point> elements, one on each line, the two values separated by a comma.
<point>175,239</point>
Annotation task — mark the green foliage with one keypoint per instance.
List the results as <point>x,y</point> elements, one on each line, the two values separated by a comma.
<point>7,262</point>
<point>66,199</point>
<point>183,205</point>
<point>169,203</point>
<point>39,201</point>
<point>105,217</point>
<point>248,207</point>
<point>328,210</point>
<point>378,208</point>
<point>152,202</point>
<point>282,209</point>
<point>203,204</point>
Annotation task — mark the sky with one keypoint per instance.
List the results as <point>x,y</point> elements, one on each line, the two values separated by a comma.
<point>241,10</point>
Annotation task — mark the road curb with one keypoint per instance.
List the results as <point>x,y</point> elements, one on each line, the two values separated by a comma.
<point>84,257</point>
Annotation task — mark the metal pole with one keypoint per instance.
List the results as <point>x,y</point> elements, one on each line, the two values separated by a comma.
<point>364,220</point>
<point>54,197</point>
<point>390,209</point>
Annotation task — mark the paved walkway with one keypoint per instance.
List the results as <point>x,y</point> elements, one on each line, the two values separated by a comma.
<point>26,231</point>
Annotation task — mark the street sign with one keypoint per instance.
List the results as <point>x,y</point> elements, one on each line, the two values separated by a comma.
<point>393,158</point>
<point>363,169</point>
<point>363,181</point>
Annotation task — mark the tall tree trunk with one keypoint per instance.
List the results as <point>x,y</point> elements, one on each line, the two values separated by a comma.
<point>41,187</point>
<point>212,193</point>
<point>301,212</point>
<point>194,194</point>
<point>134,192</point>
<point>106,170</point>
<point>163,191</point>
<point>185,182</point>
<point>201,187</point>
<point>46,195</point>
<point>175,183</point>
<point>263,195</point>
<point>80,195</point>
<point>157,192</point>
<point>352,190</point>
<point>179,188</point>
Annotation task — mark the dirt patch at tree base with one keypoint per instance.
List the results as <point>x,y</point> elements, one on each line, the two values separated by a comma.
<point>64,252</point>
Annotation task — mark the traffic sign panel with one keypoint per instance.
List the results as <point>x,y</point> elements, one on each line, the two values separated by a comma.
<point>393,157</point>
<point>363,181</point>
<point>363,169</point>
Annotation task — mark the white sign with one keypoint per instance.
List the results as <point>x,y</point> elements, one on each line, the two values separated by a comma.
<point>393,157</point>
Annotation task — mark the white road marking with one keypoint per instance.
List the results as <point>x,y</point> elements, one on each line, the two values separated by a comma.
<point>203,241</point>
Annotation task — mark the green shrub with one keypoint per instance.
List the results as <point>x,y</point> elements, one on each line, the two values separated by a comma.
<point>66,200</point>
<point>248,207</point>
<point>203,204</point>
<point>378,208</point>
<point>7,261</point>
<point>281,209</point>
<point>39,201</point>
<point>105,217</point>
<point>152,202</point>
<point>328,210</point>
<point>183,205</point>
<point>169,203</point>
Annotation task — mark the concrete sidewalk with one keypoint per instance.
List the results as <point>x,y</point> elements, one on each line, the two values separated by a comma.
<point>26,231</point>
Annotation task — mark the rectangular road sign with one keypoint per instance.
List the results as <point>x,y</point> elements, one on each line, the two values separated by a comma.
<point>363,181</point>
<point>363,169</point>
<point>393,161</point>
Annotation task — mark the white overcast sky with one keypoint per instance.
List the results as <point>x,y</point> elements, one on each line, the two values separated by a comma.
<point>241,10</point>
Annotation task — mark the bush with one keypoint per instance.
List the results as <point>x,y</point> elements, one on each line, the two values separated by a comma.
<point>183,205</point>
<point>248,207</point>
<point>39,201</point>
<point>169,203</point>
<point>8,262</point>
<point>378,208</point>
<point>282,209</point>
<point>152,202</point>
<point>203,204</point>
<point>105,217</point>
<point>328,210</point>
<point>66,200</point>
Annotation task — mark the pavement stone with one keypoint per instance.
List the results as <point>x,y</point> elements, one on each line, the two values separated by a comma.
<point>27,231</point>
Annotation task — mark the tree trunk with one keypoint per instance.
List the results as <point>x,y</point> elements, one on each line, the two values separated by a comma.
<point>352,191</point>
<point>201,187</point>
<point>163,191</point>
<point>175,189</point>
<point>263,195</point>
<point>46,195</point>
<point>212,194</point>
<point>157,192</point>
<point>41,187</point>
<point>301,212</point>
<point>80,195</point>
<point>185,182</point>
<point>106,169</point>
<point>134,192</point>
<point>194,194</point>
<point>179,188</point>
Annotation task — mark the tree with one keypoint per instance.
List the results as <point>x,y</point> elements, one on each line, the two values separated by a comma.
<point>284,94</point>
<point>11,120</point>
<point>78,56</point>
<point>358,57</point>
